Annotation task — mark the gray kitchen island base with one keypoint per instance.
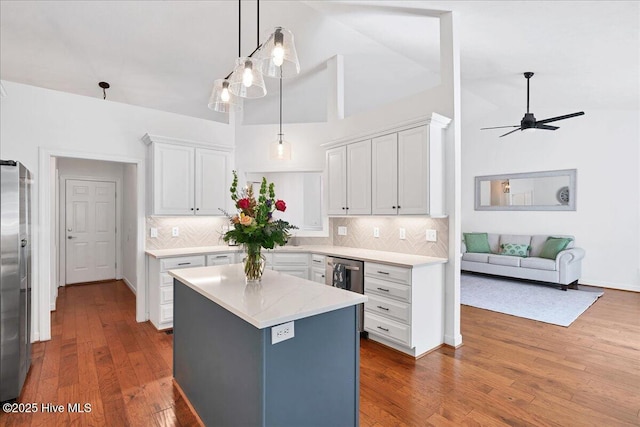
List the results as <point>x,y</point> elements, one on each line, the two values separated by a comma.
<point>233,376</point>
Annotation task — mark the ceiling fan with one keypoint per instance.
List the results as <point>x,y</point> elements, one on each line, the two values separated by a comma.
<point>529,121</point>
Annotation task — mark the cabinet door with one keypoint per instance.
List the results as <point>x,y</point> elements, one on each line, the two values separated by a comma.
<point>359,178</point>
<point>173,169</point>
<point>317,275</point>
<point>413,171</point>
<point>337,181</point>
<point>212,173</point>
<point>384,175</point>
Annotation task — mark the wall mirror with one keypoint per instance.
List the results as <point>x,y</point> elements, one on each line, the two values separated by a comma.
<point>302,191</point>
<point>531,191</point>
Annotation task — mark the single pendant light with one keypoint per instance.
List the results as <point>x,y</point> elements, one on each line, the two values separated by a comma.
<point>280,149</point>
<point>222,99</point>
<point>246,80</point>
<point>277,56</point>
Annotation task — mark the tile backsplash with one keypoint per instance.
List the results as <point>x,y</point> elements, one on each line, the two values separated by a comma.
<point>207,231</point>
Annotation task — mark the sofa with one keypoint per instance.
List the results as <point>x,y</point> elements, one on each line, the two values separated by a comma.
<point>564,270</point>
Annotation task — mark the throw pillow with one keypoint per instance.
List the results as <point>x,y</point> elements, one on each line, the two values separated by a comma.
<point>553,246</point>
<point>513,249</point>
<point>477,243</point>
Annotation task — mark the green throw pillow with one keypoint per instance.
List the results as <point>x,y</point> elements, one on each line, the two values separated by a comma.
<point>553,246</point>
<point>477,243</point>
<point>513,249</point>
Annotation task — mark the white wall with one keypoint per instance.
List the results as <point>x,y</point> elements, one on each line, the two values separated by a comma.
<point>603,147</point>
<point>36,120</point>
<point>129,226</point>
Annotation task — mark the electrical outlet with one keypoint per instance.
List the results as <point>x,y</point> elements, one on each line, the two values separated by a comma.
<point>282,332</point>
<point>342,231</point>
<point>175,231</point>
<point>432,236</point>
<point>376,232</point>
<point>403,234</point>
<point>154,232</point>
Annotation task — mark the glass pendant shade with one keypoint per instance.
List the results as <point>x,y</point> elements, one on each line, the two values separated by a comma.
<point>246,80</point>
<point>222,99</point>
<point>277,57</point>
<point>280,149</point>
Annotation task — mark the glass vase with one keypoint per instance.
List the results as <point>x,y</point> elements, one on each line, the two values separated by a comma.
<point>253,263</point>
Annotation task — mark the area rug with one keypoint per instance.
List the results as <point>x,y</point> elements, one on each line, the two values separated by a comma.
<point>531,301</point>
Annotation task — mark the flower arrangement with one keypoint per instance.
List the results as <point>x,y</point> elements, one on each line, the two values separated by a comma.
<point>254,225</point>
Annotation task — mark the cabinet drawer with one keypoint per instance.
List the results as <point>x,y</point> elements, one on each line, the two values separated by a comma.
<point>302,272</point>
<point>318,261</point>
<point>388,272</point>
<point>290,259</point>
<point>181,262</point>
<point>221,259</point>
<point>166,294</point>
<point>387,328</point>
<point>166,312</point>
<point>387,307</point>
<point>387,288</point>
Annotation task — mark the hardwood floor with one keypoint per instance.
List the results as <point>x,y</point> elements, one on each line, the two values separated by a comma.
<point>510,371</point>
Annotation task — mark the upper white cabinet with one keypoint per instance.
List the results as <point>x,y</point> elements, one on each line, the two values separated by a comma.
<point>401,173</point>
<point>186,179</point>
<point>405,174</point>
<point>349,179</point>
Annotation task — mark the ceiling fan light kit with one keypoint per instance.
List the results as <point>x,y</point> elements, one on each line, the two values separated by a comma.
<point>277,57</point>
<point>529,122</point>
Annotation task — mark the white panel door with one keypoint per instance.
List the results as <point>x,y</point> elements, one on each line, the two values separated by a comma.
<point>413,171</point>
<point>90,234</point>
<point>213,171</point>
<point>173,175</point>
<point>359,178</point>
<point>337,181</point>
<point>384,175</point>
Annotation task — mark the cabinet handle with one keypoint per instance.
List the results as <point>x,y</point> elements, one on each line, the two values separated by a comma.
<point>317,260</point>
<point>322,275</point>
<point>383,272</point>
<point>197,209</point>
<point>393,207</point>
<point>383,308</point>
<point>384,329</point>
<point>398,206</point>
<point>184,263</point>
<point>383,289</point>
<point>191,208</point>
<point>221,256</point>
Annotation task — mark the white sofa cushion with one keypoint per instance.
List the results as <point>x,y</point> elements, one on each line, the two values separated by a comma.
<point>538,263</point>
<point>470,256</point>
<point>512,261</point>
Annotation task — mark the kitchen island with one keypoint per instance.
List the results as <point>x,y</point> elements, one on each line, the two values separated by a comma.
<point>285,352</point>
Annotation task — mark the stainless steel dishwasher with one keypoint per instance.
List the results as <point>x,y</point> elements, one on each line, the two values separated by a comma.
<point>353,280</point>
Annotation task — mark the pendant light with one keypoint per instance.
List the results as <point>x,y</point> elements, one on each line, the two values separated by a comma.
<point>280,149</point>
<point>246,79</point>
<point>278,57</point>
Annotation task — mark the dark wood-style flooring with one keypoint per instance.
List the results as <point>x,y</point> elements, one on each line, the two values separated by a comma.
<point>510,371</point>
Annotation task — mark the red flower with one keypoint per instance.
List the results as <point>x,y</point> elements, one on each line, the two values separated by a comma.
<point>281,205</point>
<point>243,204</point>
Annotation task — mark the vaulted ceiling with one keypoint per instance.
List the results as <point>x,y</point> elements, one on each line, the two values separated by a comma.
<point>165,55</point>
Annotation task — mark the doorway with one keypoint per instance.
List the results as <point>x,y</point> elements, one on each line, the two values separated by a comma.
<point>89,230</point>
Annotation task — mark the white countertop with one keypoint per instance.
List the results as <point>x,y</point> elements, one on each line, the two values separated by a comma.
<point>279,298</point>
<point>384,257</point>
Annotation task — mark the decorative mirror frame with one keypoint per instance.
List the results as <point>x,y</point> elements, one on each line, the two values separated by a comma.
<point>571,206</point>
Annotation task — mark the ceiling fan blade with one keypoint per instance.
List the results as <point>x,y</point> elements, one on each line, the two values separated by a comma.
<point>501,127</point>
<point>554,119</point>
<point>547,127</point>
<point>515,130</point>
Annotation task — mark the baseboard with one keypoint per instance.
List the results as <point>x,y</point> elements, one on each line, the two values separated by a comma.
<point>609,285</point>
<point>126,281</point>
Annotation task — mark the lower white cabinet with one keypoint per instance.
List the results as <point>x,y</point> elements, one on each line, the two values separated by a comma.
<point>161,287</point>
<point>295,264</point>
<point>405,306</point>
<point>222,258</point>
<point>318,268</point>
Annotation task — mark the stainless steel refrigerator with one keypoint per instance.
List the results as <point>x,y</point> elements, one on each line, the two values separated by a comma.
<point>15,279</point>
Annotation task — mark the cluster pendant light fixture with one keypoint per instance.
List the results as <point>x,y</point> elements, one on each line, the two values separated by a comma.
<point>276,57</point>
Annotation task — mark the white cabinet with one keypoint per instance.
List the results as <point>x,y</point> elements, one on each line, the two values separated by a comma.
<point>187,179</point>
<point>404,310</point>
<point>349,179</point>
<point>401,173</point>
<point>318,268</point>
<point>294,264</point>
<point>224,258</point>
<point>161,287</point>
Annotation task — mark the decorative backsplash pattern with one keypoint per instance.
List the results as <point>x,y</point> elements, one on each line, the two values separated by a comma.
<point>207,231</point>
<point>360,234</point>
